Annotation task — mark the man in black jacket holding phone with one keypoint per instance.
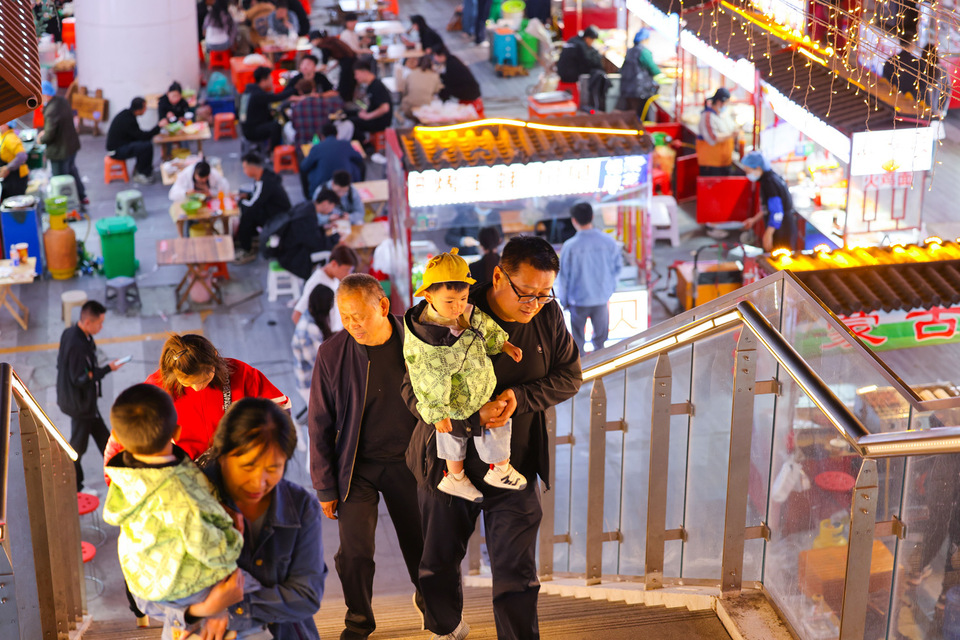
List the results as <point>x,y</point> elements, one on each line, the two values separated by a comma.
<point>78,382</point>
<point>519,298</point>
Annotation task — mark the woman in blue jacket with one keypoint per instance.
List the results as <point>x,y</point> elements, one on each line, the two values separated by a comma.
<point>282,544</point>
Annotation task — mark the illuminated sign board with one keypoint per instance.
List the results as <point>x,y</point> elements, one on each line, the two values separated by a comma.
<point>788,13</point>
<point>878,152</point>
<point>667,25</point>
<point>810,125</point>
<point>740,71</point>
<point>516,181</point>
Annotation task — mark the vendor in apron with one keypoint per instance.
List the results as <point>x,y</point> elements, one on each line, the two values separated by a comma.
<point>716,135</point>
<point>13,163</point>
<point>781,230</point>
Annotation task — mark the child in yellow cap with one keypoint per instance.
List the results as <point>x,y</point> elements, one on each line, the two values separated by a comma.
<point>447,347</point>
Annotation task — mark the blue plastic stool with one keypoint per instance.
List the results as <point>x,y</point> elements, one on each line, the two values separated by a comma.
<point>505,47</point>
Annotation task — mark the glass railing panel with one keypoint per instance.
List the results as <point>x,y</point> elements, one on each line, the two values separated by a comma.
<point>579,479</point>
<point>856,379</point>
<point>928,561</point>
<point>761,445</point>
<point>562,459</point>
<point>708,453</point>
<point>614,466</point>
<point>636,470</point>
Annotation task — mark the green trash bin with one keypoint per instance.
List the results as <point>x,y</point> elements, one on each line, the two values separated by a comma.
<point>528,47</point>
<point>116,240</point>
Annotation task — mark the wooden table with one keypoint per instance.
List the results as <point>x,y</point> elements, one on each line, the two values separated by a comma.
<point>204,214</point>
<point>9,276</point>
<point>200,256</point>
<point>373,192</point>
<point>201,133</point>
<point>367,236</point>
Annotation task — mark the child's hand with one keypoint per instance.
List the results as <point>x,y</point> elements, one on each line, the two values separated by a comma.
<point>513,351</point>
<point>444,426</point>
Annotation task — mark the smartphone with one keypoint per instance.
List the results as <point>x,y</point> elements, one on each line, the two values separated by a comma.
<point>124,359</point>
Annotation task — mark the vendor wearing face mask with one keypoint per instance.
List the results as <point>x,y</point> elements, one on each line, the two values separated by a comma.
<point>781,230</point>
<point>715,137</point>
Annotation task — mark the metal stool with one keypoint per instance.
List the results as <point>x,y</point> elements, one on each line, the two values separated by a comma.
<point>124,289</point>
<point>281,282</point>
<point>89,552</point>
<point>65,186</point>
<point>69,300</point>
<point>89,504</point>
<point>114,169</point>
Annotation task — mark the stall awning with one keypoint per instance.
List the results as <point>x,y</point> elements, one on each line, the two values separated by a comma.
<point>835,100</point>
<point>878,278</point>
<point>504,142</point>
<point>19,60</point>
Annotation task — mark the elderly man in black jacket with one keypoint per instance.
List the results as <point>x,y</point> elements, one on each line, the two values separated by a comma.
<point>578,57</point>
<point>359,432</point>
<point>520,298</point>
<point>78,382</point>
<point>125,139</point>
<point>60,137</point>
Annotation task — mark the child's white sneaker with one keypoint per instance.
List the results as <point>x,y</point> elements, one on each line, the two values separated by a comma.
<point>460,488</point>
<point>509,478</point>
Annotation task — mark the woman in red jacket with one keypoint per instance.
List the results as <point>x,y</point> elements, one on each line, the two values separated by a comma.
<point>203,385</point>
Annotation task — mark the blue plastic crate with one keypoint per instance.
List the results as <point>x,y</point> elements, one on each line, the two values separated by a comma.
<point>222,105</point>
<point>505,48</point>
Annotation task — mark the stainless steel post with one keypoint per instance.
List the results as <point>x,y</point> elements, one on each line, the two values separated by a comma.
<point>659,457</point>
<point>856,584</point>
<point>738,463</point>
<point>595,479</point>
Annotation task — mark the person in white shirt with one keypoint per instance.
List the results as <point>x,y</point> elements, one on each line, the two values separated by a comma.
<point>349,35</point>
<point>198,177</point>
<point>343,260</point>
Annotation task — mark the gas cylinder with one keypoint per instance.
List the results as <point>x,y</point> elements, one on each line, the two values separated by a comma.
<point>60,244</point>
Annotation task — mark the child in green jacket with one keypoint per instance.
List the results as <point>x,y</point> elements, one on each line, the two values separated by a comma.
<point>447,344</point>
<point>176,541</point>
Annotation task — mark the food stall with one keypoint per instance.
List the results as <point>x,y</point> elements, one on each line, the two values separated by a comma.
<point>447,182</point>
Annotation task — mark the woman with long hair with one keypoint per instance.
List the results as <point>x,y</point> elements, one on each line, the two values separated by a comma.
<point>429,39</point>
<point>312,329</point>
<point>219,27</point>
<point>204,384</point>
<point>282,541</point>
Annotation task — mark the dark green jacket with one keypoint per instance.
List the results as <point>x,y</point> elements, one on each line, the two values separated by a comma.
<point>59,134</point>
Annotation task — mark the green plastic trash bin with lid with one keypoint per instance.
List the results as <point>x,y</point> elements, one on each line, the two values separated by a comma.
<point>116,241</point>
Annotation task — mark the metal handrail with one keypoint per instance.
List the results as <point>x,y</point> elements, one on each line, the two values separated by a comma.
<point>723,305</point>
<point>865,443</point>
<point>24,397</point>
<point>5,398</point>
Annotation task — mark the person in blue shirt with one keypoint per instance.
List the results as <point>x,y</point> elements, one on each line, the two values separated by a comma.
<point>781,230</point>
<point>326,158</point>
<point>590,263</point>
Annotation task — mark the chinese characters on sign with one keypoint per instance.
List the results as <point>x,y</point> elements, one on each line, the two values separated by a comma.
<point>908,149</point>
<point>900,329</point>
<point>515,181</point>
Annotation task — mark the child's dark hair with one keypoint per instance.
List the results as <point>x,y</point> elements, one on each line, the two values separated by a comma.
<point>143,418</point>
<point>252,423</point>
<point>456,286</point>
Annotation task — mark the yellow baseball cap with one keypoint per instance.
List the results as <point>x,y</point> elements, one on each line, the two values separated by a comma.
<point>445,267</point>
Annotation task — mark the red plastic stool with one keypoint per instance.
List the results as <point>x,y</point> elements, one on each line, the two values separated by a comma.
<point>573,88</point>
<point>379,141</point>
<point>285,158</point>
<point>224,125</point>
<point>220,59</point>
<point>661,182</point>
<point>114,169</point>
<point>89,504</point>
<point>221,272</point>
<point>88,552</point>
<point>477,104</point>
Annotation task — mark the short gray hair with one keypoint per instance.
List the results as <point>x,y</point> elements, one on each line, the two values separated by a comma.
<point>362,283</point>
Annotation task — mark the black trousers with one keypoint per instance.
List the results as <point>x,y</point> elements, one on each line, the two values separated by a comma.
<point>270,130</point>
<point>715,171</point>
<point>348,83</point>
<point>250,219</point>
<point>511,521</point>
<point>142,150</point>
<point>357,518</point>
<point>69,167</point>
<point>80,431</point>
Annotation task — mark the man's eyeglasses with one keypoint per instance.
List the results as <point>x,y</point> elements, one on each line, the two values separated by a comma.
<point>526,298</point>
